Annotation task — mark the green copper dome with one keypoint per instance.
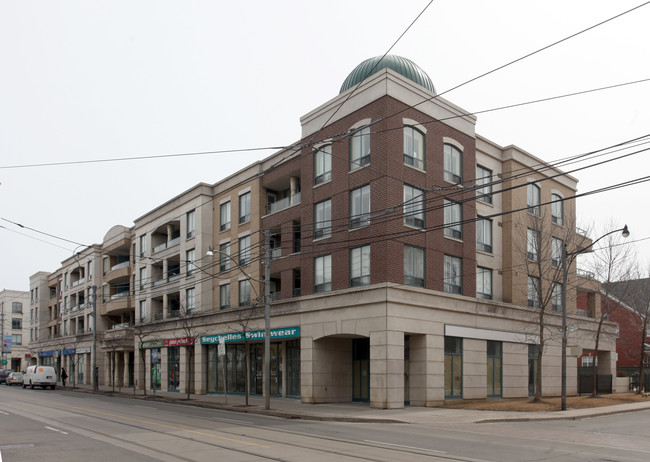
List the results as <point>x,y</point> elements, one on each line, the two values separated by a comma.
<point>403,66</point>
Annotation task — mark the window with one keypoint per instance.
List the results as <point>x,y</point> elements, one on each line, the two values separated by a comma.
<point>104,267</point>
<point>413,147</point>
<point>143,310</point>
<point>323,164</point>
<point>16,323</point>
<point>533,292</point>
<point>484,283</point>
<point>453,275</point>
<point>190,223</point>
<point>557,251</point>
<point>190,300</point>
<point>245,208</point>
<point>360,207</point>
<point>556,296</point>
<point>224,296</point>
<point>323,219</point>
<point>588,361</point>
<point>453,219</point>
<point>244,292</point>
<point>484,235</point>
<point>224,216</point>
<point>533,198</point>
<point>16,307</point>
<point>557,209</point>
<point>143,244</point>
<point>224,256</point>
<point>143,278</point>
<point>413,206</point>
<point>484,184</point>
<point>244,250</point>
<point>360,148</point>
<point>323,274</point>
<point>360,266</point>
<point>189,261</point>
<point>413,266</point>
<point>453,368</point>
<point>494,369</point>
<point>17,339</point>
<point>453,164</point>
<point>532,244</point>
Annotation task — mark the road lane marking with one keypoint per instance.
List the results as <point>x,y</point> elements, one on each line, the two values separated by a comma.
<point>5,413</point>
<point>405,447</point>
<point>148,422</point>
<point>56,430</point>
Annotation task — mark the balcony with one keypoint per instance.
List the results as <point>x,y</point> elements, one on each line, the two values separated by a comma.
<point>160,247</point>
<point>584,313</point>
<point>283,204</point>
<point>78,281</point>
<point>118,303</point>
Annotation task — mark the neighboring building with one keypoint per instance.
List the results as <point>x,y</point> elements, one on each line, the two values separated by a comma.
<point>14,309</point>
<point>63,317</point>
<point>633,297</point>
<point>402,252</point>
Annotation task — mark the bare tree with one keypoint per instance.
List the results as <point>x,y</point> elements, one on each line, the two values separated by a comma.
<point>142,333</point>
<point>612,263</point>
<point>192,325</point>
<point>546,246</point>
<point>241,323</point>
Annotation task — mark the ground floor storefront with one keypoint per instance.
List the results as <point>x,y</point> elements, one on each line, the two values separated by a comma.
<point>388,346</point>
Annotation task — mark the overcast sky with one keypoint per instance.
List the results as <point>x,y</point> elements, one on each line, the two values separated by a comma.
<point>86,80</point>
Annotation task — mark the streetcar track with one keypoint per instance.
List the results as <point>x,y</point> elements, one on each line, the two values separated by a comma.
<point>167,430</point>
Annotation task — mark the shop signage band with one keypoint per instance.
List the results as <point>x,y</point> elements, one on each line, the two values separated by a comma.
<point>287,332</point>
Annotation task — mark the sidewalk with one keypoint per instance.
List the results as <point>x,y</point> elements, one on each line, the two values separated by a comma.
<point>361,412</point>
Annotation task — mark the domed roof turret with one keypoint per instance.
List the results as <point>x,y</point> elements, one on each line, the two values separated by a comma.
<point>401,65</point>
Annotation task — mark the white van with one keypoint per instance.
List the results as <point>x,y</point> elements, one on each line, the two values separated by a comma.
<point>40,376</point>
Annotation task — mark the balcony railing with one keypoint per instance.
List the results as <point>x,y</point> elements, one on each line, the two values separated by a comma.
<point>174,242</point>
<point>119,295</point>
<point>276,253</point>
<point>585,274</point>
<point>584,313</point>
<point>283,204</point>
<point>124,264</point>
<point>78,281</point>
<point>160,247</point>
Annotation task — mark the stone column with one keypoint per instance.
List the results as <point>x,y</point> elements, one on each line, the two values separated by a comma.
<point>200,366</point>
<point>474,369</point>
<point>306,370</point>
<point>387,369</point>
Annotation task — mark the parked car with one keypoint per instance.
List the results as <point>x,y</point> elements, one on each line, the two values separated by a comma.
<point>40,376</point>
<point>4,373</point>
<point>14,378</point>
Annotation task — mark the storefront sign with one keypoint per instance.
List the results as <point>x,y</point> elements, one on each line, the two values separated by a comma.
<point>69,351</point>
<point>45,354</point>
<point>287,332</point>
<point>27,356</point>
<point>179,342</point>
<point>83,350</point>
<point>151,344</point>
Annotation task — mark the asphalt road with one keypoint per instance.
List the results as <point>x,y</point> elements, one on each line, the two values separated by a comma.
<point>39,425</point>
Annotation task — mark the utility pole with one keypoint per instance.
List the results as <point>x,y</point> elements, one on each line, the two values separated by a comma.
<point>267,319</point>
<point>95,374</point>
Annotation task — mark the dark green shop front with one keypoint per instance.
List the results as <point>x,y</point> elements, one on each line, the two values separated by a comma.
<point>227,356</point>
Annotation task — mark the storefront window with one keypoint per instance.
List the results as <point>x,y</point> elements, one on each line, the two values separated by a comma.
<point>173,364</point>
<point>155,368</point>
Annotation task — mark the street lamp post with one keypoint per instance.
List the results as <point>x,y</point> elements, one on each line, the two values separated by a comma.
<point>565,270</point>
